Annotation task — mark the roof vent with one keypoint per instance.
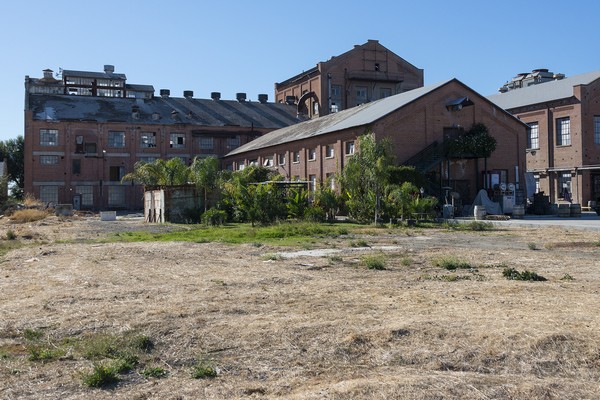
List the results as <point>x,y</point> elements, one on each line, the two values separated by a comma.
<point>165,93</point>
<point>175,114</point>
<point>263,98</point>
<point>109,69</point>
<point>188,94</point>
<point>291,100</point>
<point>241,97</point>
<point>135,111</point>
<point>215,95</point>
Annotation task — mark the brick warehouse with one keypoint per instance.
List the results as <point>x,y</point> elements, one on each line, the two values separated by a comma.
<point>563,144</point>
<point>365,73</point>
<point>416,122</point>
<point>85,132</point>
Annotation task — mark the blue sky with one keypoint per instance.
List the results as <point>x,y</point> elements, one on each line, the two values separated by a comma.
<point>247,46</point>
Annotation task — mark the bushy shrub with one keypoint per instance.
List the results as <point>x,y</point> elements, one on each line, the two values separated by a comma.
<point>315,214</point>
<point>214,217</point>
<point>513,274</point>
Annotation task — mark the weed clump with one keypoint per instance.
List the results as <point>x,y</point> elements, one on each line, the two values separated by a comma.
<point>100,376</point>
<point>513,274</point>
<point>154,372</point>
<point>374,261</point>
<point>451,263</point>
<point>203,370</point>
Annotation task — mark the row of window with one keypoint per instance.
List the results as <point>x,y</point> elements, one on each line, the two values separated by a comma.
<point>116,139</point>
<point>563,133</point>
<point>116,195</point>
<point>312,155</point>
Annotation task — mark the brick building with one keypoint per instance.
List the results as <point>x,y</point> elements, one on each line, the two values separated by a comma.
<point>416,122</point>
<point>563,143</point>
<point>84,132</point>
<point>366,73</point>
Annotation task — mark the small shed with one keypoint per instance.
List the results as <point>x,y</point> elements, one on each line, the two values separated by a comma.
<point>177,204</point>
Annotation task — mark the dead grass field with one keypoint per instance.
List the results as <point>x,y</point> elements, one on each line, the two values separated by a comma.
<point>305,327</point>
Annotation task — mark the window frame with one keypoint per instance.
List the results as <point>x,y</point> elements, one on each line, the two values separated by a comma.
<point>349,148</point>
<point>312,154</point>
<point>87,195</point>
<point>329,151</point>
<point>116,139</point>
<point>207,143</point>
<point>597,129</point>
<point>533,142</point>
<point>563,131</point>
<point>296,157</point>
<point>45,160</point>
<point>116,196</point>
<point>47,191</point>
<point>46,134</point>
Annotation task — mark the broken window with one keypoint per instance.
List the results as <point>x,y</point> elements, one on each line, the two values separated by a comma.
<point>177,141</point>
<point>148,139</point>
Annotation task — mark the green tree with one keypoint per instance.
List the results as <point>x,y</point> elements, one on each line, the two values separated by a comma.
<point>12,152</point>
<point>172,172</point>
<point>365,177</point>
<point>204,172</point>
<point>327,200</point>
<point>244,200</point>
<point>475,143</point>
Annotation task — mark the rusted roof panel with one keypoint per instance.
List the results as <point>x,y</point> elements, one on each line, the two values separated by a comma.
<point>170,110</point>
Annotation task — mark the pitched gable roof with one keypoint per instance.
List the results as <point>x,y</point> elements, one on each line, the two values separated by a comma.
<point>353,117</point>
<point>543,92</point>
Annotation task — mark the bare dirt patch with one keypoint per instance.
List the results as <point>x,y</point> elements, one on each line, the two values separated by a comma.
<point>308,326</point>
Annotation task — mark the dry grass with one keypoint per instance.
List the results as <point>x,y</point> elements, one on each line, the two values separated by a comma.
<point>307,327</point>
<point>31,202</point>
<point>28,215</point>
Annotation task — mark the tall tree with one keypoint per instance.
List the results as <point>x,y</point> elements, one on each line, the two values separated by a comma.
<point>159,173</point>
<point>12,152</point>
<point>204,172</point>
<point>365,177</point>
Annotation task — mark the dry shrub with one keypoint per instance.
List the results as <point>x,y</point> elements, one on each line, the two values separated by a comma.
<point>30,201</point>
<point>28,215</point>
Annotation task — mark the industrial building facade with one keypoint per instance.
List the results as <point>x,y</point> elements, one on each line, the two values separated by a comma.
<point>563,143</point>
<point>366,73</point>
<point>416,122</point>
<point>85,132</point>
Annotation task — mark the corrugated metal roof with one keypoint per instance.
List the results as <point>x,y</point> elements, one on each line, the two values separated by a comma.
<point>542,92</point>
<point>135,86</point>
<point>201,112</point>
<point>90,74</point>
<point>357,116</point>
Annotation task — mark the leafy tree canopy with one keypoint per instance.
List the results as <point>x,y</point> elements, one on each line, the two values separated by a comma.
<point>475,143</point>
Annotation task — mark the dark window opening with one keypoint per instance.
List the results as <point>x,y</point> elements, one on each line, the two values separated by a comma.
<point>76,167</point>
<point>116,173</point>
